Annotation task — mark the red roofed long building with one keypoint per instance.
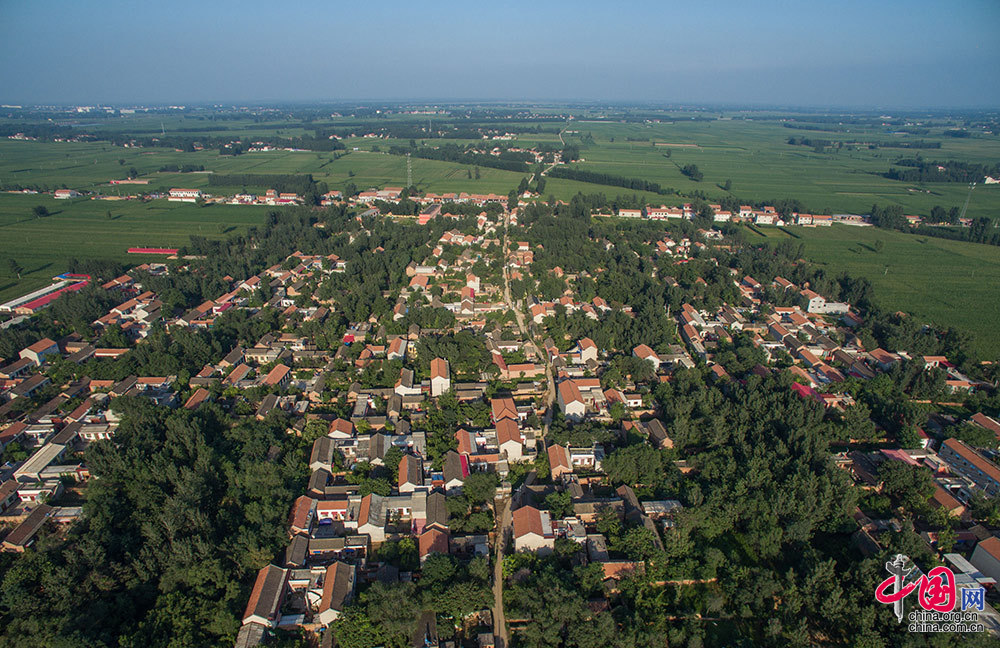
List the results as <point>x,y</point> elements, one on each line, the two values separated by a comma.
<point>969,463</point>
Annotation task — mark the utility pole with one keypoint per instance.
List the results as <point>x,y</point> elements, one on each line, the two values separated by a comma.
<point>409,172</point>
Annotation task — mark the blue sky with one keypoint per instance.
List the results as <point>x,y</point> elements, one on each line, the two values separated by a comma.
<point>833,53</point>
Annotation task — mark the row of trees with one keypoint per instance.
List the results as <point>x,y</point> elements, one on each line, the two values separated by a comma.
<point>507,160</point>
<point>595,177</point>
<point>982,230</point>
<point>919,170</point>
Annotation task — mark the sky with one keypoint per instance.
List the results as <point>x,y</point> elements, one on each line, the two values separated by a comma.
<point>837,53</point>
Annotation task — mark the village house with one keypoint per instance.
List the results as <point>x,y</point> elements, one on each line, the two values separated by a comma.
<point>440,377</point>
<point>267,596</point>
<point>410,474</point>
<point>643,352</point>
<point>533,530</point>
<point>338,589</point>
<point>40,350</point>
<point>279,376</point>
<point>184,195</point>
<point>23,535</point>
<point>571,401</point>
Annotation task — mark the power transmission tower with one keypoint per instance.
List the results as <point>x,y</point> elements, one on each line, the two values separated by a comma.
<point>409,172</point>
<point>966,205</point>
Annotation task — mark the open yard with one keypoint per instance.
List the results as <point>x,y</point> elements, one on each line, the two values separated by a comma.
<point>940,281</point>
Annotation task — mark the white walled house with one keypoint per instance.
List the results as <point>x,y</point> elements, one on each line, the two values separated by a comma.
<point>440,377</point>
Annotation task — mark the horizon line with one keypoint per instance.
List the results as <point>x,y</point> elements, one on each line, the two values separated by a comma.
<point>644,103</point>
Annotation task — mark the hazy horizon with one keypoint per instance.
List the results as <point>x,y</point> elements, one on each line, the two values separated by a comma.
<point>850,55</point>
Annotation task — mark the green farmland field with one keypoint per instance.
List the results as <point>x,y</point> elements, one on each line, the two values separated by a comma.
<point>80,228</point>
<point>763,166</point>
<point>948,283</point>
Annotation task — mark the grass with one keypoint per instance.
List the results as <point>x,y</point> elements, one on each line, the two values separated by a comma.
<point>947,283</point>
<point>80,228</point>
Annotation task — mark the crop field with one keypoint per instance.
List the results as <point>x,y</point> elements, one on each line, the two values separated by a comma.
<point>948,283</point>
<point>761,165</point>
<point>81,228</point>
<point>89,167</point>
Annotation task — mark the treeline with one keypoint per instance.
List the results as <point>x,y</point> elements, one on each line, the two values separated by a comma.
<point>917,170</point>
<point>186,168</point>
<point>282,183</point>
<point>416,130</point>
<point>594,177</point>
<point>838,144</point>
<point>41,131</point>
<point>225,145</point>
<point>507,160</point>
<point>439,127</point>
<point>982,229</point>
<point>42,188</point>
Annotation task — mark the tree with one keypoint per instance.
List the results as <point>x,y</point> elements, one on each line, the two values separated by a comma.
<point>40,211</point>
<point>858,424</point>
<point>911,486</point>
<point>879,244</point>
<point>560,504</point>
<point>946,540</point>
<point>391,460</point>
<point>727,185</point>
<point>438,569</point>
<point>692,171</point>
<point>512,199</point>
<point>985,509</point>
<point>356,630</point>
<point>480,487</point>
<point>974,435</point>
<point>14,267</point>
<point>479,569</point>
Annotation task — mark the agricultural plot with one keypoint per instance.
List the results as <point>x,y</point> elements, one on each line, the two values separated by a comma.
<point>761,165</point>
<point>81,228</point>
<point>948,283</point>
